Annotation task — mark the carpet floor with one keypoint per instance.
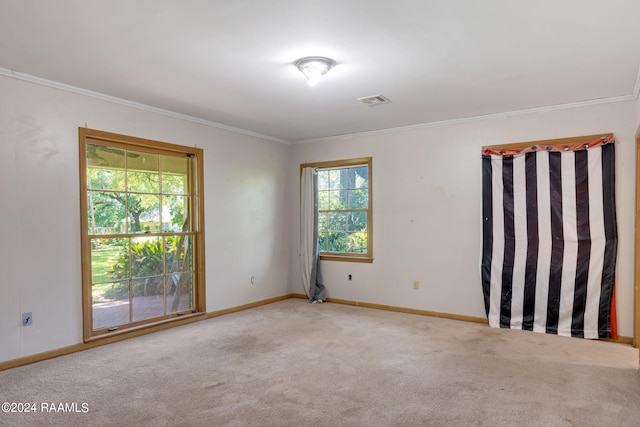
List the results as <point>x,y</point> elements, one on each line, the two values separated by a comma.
<point>292,363</point>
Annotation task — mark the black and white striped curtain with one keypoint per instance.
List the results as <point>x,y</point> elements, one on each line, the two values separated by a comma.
<point>550,237</point>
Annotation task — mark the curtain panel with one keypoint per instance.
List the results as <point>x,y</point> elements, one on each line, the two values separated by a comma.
<point>549,238</point>
<point>309,256</point>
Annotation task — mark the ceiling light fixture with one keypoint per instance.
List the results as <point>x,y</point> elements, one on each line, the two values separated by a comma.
<point>314,67</point>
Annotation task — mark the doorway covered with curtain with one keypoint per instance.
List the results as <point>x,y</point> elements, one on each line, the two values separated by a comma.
<point>549,236</point>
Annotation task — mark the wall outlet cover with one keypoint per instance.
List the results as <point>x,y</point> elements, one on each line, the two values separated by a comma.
<point>27,319</point>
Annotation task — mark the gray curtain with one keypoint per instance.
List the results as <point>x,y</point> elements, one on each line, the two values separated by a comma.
<point>310,259</point>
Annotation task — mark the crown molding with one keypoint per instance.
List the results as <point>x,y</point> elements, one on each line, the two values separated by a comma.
<point>97,95</point>
<point>578,104</point>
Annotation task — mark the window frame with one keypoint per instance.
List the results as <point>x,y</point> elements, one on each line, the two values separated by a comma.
<point>340,164</point>
<point>88,136</point>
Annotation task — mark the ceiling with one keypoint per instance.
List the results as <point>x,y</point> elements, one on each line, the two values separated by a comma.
<point>231,62</point>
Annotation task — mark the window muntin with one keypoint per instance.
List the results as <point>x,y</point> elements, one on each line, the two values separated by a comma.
<point>142,232</point>
<point>344,209</point>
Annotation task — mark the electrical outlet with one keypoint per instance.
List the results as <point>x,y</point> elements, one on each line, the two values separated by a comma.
<point>27,319</point>
<point>253,280</point>
<point>416,284</point>
<point>350,277</point>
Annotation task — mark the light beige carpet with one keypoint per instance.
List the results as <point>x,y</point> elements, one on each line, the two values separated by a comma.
<point>297,364</point>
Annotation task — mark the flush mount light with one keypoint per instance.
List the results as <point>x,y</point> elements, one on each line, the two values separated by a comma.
<point>314,67</point>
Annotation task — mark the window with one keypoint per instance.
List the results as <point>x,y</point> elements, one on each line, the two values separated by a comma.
<point>344,210</point>
<point>142,242</point>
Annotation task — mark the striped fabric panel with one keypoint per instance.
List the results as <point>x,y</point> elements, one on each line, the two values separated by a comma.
<point>543,273</point>
<point>533,242</point>
<point>611,241</point>
<point>549,240</point>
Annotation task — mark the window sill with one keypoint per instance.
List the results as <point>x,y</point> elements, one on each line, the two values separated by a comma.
<point>145,328</point>
<point>346,258</point>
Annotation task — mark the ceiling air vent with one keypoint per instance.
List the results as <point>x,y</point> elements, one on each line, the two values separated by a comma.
<point>374,100</point>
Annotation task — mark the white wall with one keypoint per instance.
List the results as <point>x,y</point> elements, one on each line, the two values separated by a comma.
<point>247,227</point>
<point>426,207</point>
<point>251,204</point>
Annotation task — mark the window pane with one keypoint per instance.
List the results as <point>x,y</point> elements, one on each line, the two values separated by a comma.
<point>323,200</point>
<point>144,213</point>
<point>143,182</point>
<point>178,253</point>
<point>357,221</point>
<point>338,199</point>
<point>139,161</point>
<point>323,242</point>
<point>112,308</point>
<point>105,156</point>
<point>323,222</point>
<point>148,298</point>
<point>357,242</point>
<point>323,180</point>
<point>175,214</point>
<point>105,179</point>
<point>109,257</point>
<point>149,286</point>
<point>335,178</point>
<point>174,165</point>
<point>175,174</point>
<point>175,184</point>
<point>336,242</point>
<point>147,256</point>
<point>337,221</point>
<point>105,167</point>
<point>179,288</point>
<point>142,172</point>
<point>358,199</point>
<point>106,212</point>
<point>359,177</point>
